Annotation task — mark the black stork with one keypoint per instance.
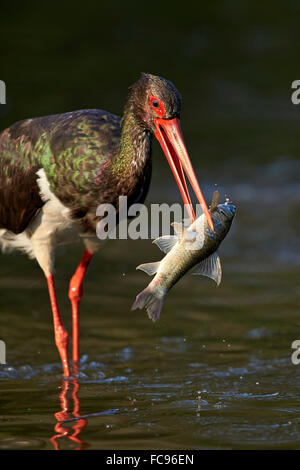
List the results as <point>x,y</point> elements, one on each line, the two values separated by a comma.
<point>56,170</point>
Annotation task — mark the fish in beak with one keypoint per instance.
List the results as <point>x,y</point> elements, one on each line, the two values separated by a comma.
<point>169,135</point>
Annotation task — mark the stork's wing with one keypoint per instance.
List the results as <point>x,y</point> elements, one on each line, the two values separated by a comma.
<point>72,148</point>
<point>19,192</point>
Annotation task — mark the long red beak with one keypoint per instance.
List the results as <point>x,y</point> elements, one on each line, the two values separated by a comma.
<point>169,135</point>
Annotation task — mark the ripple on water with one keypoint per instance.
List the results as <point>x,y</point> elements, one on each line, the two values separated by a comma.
<point>15,443</point>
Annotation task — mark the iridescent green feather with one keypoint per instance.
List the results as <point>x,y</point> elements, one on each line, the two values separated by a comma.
<point>72,148</point>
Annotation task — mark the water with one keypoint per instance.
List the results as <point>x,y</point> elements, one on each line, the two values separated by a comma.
<point>214,372</point>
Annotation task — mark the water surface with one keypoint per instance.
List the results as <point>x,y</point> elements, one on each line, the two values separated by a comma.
<point>214,372</point>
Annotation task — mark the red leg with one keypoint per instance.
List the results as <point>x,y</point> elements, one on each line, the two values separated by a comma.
<point>61,335</point>
<point>75,294</point>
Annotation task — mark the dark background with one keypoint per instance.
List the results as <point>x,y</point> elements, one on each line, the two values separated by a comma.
<point>233,62</point>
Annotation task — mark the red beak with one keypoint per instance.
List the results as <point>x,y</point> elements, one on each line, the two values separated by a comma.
<point>169,135</point>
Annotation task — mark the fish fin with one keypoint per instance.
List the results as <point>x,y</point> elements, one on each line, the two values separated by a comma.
<point>149,268</point>
<point>166,242</point>
<point>210,267</point>
<point>150,301</point>
<point>178,229</point>
<point>214,201</point>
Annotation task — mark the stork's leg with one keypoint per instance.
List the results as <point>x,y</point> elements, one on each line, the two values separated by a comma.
<point>75,294</point>
<point>44,253</point>
<point>60,334</point>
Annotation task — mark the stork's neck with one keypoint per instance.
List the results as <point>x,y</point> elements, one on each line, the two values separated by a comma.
<point>135,146</point>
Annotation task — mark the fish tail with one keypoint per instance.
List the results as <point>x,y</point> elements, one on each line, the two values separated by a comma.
<point>149,299</point>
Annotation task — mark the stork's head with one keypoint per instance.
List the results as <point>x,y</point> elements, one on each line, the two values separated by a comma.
<point>156,104</point>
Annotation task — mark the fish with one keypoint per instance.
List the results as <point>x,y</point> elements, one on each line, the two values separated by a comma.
<point>191,249</point>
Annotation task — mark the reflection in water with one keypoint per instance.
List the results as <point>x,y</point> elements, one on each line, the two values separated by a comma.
<point>63,416</point>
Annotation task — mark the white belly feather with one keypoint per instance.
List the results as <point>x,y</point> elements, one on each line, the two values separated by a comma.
<point>51,226</point>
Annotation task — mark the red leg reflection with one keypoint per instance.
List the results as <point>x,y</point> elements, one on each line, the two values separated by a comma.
<point>63,417</point>
<point>81,423</point>
<point>75,294</point>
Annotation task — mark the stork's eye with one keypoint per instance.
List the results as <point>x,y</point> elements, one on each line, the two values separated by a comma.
<point>157,106</point>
